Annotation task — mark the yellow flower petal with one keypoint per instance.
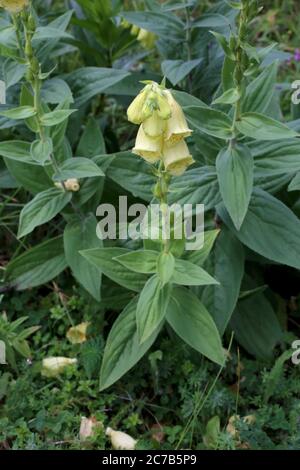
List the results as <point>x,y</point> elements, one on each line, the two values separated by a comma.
<point>154,126</point>
<point>137,111</point>
<point>13,6</point>
<point>53,366</point>
<point>77,334</point>
<point>177,127</point>
<point>177,158</point>
<point>146,147</point>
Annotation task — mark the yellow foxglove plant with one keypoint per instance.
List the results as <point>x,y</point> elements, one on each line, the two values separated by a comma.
<point>162,131</point>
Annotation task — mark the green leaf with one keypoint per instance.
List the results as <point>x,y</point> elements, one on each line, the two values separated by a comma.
<point>260,92</point>
<point>42,209</point>
<point>189,274</point>
<point>177,70</point>
<point>55,91</point>
<point>77,167</point>
<point>41,150</point>
<point>141,261</point>
<point>197,186</point>
<point>90,81</point>
<point>104,260</point>
<point>165,267</point>
<point>211,20</point>
<point>272,379</point>
<point>165,25</point>
<point>199,256</point>
<point>235,175</point>
<point>132,174</point>
<point>256,326</point>
<point>193,324</point>
<point>32,177</point>
<point>123,350</point>
<point>56,117</point>
<point>151,307</point>
<point>22,112</point>
<point>92,141</point>
<point>80,235</point>
<point>260,127</point>
<point>270,228</point>
<point>230,96</point>
<point>228,74</point>
<point>224,44</point>
<point>295,183</point>
<point>210,121</point>
<point>227,266</point>
<point>37,266</point>
<point>16,150</point>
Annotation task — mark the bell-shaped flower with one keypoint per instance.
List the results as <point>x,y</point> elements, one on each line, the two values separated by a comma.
<point>53,366</point>
<point>154,126</point>
<point>146,147</point>
<point>146,38</point>
<point>177,158</point>
<point>77,334</point>
<point>120,440</point>
<point>137,111</point>
<point>177,127</point>
<point>13,6</point>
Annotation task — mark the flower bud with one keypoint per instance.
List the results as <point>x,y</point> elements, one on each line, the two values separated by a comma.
<point>72,185</point>
<point>77,334</point>
<point>177,128</point>
<point>53,366</point>
<point>146,147</point>
<point>177,158</point>
<point>134,30</point>
<point>13,6</point>
<point>137,111</point>
<point>120,440</point>
<point>146,38</point>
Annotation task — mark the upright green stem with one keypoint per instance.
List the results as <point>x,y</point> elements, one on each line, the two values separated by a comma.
<point>240,63</point>
<point>161,193</point>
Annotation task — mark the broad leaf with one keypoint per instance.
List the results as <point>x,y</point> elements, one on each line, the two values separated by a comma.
<point>104,260</point>
<point>210,121</point>
<point>151,307</point>
<point>42,209</point>
<point>78,167</point>
<point>260,127</point>
<point>123,349</point>
<point>141,261</point>
<point>189,274</point>
<point>80,235</point>
<point>191,321</point>
<point>270,228</point>
<point>235,175</point>
<point>37,266</point>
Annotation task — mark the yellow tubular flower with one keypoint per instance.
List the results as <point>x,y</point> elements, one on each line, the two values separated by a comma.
<point>53,366</point>
<point>146,38</point>
<point>177,158</point>
<point>77,334</point>
<point>177,128</point>
<point>146,147</point>
<point>154,126</point>
<point>137,111</point>
<point>13,6</point>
